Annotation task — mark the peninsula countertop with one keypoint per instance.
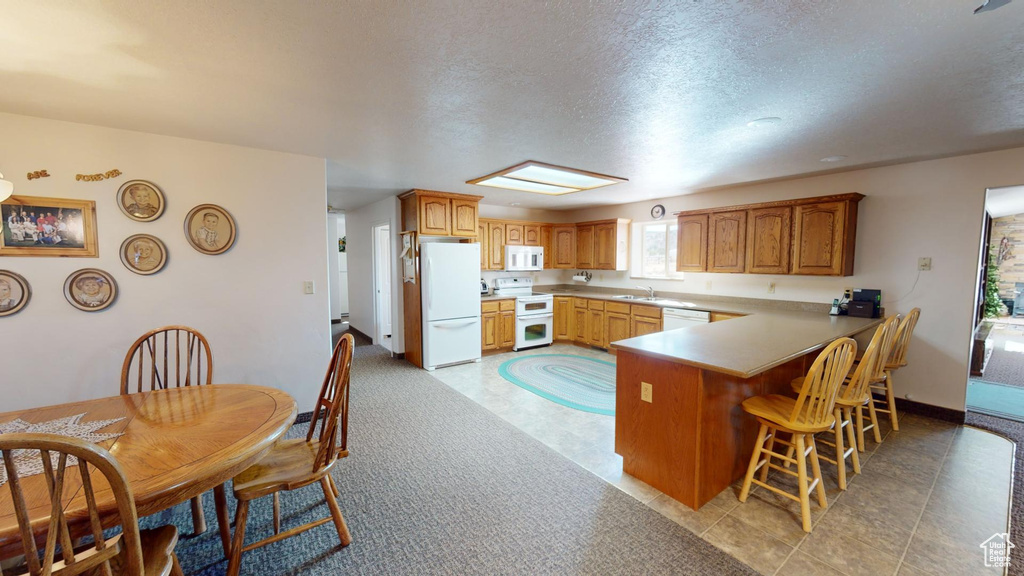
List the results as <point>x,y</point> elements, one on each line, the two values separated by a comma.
<point>749,345</point>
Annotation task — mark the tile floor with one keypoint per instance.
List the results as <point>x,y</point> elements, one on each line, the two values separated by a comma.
<point>928,496</point>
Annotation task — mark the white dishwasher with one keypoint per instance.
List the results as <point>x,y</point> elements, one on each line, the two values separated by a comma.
<point>683,318</point>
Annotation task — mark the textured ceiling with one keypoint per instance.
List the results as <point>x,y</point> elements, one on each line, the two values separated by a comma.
<point>432,93</point>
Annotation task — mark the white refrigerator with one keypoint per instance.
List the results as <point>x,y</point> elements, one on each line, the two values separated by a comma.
<point>450,289</point>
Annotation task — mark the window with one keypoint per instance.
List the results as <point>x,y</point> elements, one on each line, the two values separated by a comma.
<point>654,250</point>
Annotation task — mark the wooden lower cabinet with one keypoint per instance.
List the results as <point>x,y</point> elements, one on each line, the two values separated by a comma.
<point>563,318</point>
<point>719,316</point>
<point>507,329</point>
<point>489,330</point>
<point>595,329</point>
<point>618,326</point>
<point>498,324</point>
<point>645,320</point>
<point>579,321</point>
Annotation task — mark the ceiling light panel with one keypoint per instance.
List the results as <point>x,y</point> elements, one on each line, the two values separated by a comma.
<point>545,179</point>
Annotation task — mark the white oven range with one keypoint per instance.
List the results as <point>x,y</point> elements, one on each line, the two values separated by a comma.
<point>535,313</point>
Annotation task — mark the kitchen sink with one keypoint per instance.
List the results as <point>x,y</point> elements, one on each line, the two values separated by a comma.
<point>627,297</point>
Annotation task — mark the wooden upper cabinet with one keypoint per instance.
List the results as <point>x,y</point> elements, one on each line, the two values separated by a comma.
<point>514,234</point>
<point>604,246</point>
<point>823,238</point>
<point>430,213</point>
<point>464,217</point>
<point>768,235</point>
<point>546,243</point>
<point>531,235</point>
<point>585,246</point>
<point>563,247</point>
<point>435,216</point>
<point>495,246</point>
<point>727,233</point>
<point>692,243</point>
<point>481,237</point>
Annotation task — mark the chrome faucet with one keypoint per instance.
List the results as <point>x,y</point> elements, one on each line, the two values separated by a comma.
<point>649,289</point>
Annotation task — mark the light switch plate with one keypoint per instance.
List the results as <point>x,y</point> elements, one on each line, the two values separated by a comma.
<point>771,287</point>
<point>308,287</point>
<point>924,263</point>
<point>646,392</point>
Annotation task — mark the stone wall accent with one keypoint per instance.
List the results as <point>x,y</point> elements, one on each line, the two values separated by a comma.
<point>1011,269</point>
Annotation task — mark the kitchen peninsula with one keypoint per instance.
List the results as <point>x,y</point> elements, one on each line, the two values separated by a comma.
<point>688,436</point>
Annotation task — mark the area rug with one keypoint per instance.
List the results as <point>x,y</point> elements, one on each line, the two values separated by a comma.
<point>1006,365</point>
<point>995,399</point>
<point>578,382</point>
<point>437,484</point>
<point>1014,431</point>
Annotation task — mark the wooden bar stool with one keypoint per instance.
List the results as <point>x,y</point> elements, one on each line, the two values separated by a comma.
<point>802,418</point>
<point>854,395</point>
<point>897,359</point>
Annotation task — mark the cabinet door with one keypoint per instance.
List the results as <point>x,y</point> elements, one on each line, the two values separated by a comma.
<point>514,234</point>
<point>617,327</point>
<point>585,246</point>
<point>436,216</point>
<point>507,329</point>
<point>489,331</point>
<point>563,318</point>
<point>564,247</point>
<point>604,246</point>
<point>818,231</point>
<point>645,325</point>
<point>496,246</point>
<point>464,218</point>
<point>595,328</point>
<point>546,243</point>
<point>481,237</point>
<point>531,235</point>
<point>692,243</point>
<point>727,234</point>
<point>579,324</point>
<point>768,235</point>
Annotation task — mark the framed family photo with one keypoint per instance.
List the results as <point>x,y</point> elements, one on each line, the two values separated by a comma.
<point>14,293</point>
<point>35,226</point>
<point>90,289</point>
<point>140,200</point>
<point>210,229</point>
<point>143,254</point>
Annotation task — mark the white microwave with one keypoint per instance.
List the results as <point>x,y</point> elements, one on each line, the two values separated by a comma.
<point>524,258</point>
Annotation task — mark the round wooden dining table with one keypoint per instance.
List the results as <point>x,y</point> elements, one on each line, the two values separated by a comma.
<point>172,445</point>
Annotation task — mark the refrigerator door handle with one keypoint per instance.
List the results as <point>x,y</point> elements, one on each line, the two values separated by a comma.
<point>430,293</point>
<point>456,323</point>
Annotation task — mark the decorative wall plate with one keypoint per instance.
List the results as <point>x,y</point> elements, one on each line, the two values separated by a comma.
<point>210,229</point>
<point>140,200</point>
<point>90,289</point>
<point>143,254</point>
<point>14,293</point>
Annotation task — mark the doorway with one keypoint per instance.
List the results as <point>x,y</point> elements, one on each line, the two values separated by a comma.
<point>996,383</point>
<point>382,274</point>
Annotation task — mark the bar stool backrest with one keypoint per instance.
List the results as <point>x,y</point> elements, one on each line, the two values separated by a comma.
<point>872,364</point>
<point>898,357</point>
<point>821,385</point>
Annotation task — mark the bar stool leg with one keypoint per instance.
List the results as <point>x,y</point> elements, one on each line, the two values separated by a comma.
<point>890,397</point>
<point>874,421</point>
<point>754,459</point>
<point>768,456</point>
<point>848,420</point>
<point>816,468</point>
<point>802,482</point>
<point>840,449</point>
<point>860,428</point>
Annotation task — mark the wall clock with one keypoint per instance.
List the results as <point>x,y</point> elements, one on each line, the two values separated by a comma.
<point>658,212</point>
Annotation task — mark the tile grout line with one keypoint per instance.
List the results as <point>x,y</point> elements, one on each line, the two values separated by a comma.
<point>931,490</point>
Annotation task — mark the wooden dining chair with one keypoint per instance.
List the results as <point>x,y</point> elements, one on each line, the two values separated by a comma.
<point>897,359</point>
<point>76,469</point>
<point>296,463</point>
<point>171,357</point>
<point>810,413</point>
<point>852,397</point>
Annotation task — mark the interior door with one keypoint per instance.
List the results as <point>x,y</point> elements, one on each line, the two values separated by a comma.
<point>382,243</point>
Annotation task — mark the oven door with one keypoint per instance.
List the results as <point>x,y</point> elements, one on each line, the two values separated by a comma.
<point>527,306</point>
<point>534,330</point>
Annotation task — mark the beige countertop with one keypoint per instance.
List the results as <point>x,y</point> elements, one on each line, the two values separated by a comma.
<point>493,298</point>
<point>749,345</point>
<point>686,302</point>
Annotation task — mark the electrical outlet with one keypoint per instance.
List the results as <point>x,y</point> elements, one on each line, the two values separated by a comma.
<point>707,285</point>
<point>847,293</point>
<point>771,287</point>
<point>924,263</point>
<point>646,391</point>
<point>308,287</point>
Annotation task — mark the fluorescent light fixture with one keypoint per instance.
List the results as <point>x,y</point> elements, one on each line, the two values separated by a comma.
<point>6,188</point>
<point>543,178</point>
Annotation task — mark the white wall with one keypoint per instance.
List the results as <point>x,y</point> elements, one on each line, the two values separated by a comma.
<point>248,301</point>
<point>359,225</point>
<point>933,208</point>
<point>333,277</point>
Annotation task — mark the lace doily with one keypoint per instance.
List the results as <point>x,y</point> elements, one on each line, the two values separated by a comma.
<point>29,463</point>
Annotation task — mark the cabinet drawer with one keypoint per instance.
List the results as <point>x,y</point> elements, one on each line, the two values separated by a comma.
<point>648,311</point>
<point>507,305</point>
<point>595,304</point>
<point>580,302</point>
<point>491,306</point>
<point>616,307</point>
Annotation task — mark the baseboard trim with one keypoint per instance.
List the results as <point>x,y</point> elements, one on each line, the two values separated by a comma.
<point>399,356</point>
<point>937,412</point>
<point>359,332</point>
